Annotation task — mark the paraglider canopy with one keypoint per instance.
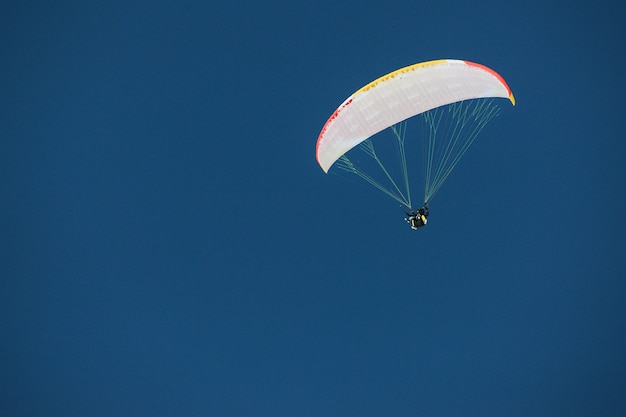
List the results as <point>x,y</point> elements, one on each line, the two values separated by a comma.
<point>400,95</point>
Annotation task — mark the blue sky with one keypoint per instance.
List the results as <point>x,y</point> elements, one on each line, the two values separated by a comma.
<point>169,245</point>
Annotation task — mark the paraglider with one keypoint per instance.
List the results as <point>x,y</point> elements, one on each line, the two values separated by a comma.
<point>455,101</point>
<point>417,218</point>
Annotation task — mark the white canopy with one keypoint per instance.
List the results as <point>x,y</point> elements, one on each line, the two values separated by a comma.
<point>402,94</point>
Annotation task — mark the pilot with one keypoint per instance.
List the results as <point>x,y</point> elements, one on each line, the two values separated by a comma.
<point>418,218</point>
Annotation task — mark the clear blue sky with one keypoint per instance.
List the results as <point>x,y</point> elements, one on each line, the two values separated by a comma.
<point>170,247</point>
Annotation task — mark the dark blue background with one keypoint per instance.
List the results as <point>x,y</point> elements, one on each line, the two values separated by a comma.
<point>170,247</point>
